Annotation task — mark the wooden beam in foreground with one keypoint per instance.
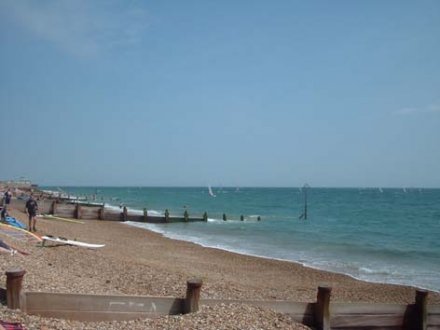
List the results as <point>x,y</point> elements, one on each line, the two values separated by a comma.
<point>320,315</point>
<point>93,308</point>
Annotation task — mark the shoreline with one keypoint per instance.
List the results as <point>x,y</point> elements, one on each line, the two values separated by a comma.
<point>303,264</point>
<point>366,262</point>
<point>142,262</point>
<point>160,238</point>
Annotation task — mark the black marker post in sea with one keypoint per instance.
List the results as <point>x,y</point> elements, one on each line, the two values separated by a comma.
<point>304,189</point>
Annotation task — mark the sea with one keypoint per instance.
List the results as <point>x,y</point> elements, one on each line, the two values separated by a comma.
<point>384,235</point>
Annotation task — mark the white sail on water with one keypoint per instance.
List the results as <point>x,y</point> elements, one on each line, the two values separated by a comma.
<point>210,192</point>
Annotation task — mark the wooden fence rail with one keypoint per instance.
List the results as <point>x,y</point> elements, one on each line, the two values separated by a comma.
<point>320,314</point>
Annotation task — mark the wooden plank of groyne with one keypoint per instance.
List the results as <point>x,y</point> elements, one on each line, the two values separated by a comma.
<point>94,316</point>
<point>433,318</point>
<point>155,219</point>
<point>90,212</point>
<point>112,215</point>
<point>135,218</point>
<point>382,321</point>
<point>433,309</point>
<point>44,206</point>
<point>100,307</point>
<point>183,219</point>
<point>433,321</point>
<point>171,219</point>
<point>378,316</point>
<point>65,210</point>
<point>368,308</point>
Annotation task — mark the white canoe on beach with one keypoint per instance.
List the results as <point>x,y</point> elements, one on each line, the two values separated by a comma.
<point>70,242</point>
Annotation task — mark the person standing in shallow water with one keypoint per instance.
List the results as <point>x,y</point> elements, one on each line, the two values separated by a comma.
<point>31,210</point>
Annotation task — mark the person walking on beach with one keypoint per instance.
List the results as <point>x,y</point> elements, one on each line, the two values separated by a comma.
<point>31,210</point>
<point>7,197</point>
<point>6,201</point>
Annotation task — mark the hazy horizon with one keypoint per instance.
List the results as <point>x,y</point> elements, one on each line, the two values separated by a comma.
<point>234,187</point>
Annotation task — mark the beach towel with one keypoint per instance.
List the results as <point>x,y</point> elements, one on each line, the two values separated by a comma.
<point>11,325</point>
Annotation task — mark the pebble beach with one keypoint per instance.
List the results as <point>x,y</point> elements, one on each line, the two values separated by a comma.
<point>135,261</point>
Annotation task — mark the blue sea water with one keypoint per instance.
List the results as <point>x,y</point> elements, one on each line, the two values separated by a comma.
<point>377,235</point>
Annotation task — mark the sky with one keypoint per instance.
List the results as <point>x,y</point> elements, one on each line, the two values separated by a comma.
<point>231,93</point>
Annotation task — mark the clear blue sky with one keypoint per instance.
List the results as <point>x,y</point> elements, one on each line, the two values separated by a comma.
<point>232,93</point>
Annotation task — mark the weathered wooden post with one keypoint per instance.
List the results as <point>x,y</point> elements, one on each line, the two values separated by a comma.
<point>78,211</point>
<point>145,214</point>
<point>54,207</point>
<point>14,280</point>
<point>167,215</point>
<point>224,217</point>
<point>186,216</point>
<point>193,288</point>
<point>124,213</point>
<point>242,217</point>
<point>322,308</point>
<point>101,213</point>
<point>420,309</point>
<point>205,216</point>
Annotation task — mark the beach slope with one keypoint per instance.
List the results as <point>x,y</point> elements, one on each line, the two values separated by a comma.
<point>135,261</point>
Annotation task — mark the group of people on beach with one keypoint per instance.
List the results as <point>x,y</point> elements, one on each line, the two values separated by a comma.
<point>31,209</point>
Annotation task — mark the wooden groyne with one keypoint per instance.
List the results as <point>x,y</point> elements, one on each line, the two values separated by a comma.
<point>321,314</point>
<point>62,205</point>
<point>88,211</point>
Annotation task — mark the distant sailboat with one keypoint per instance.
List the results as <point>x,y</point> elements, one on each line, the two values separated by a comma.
<point>380,190</point>
<point>210,192</point>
